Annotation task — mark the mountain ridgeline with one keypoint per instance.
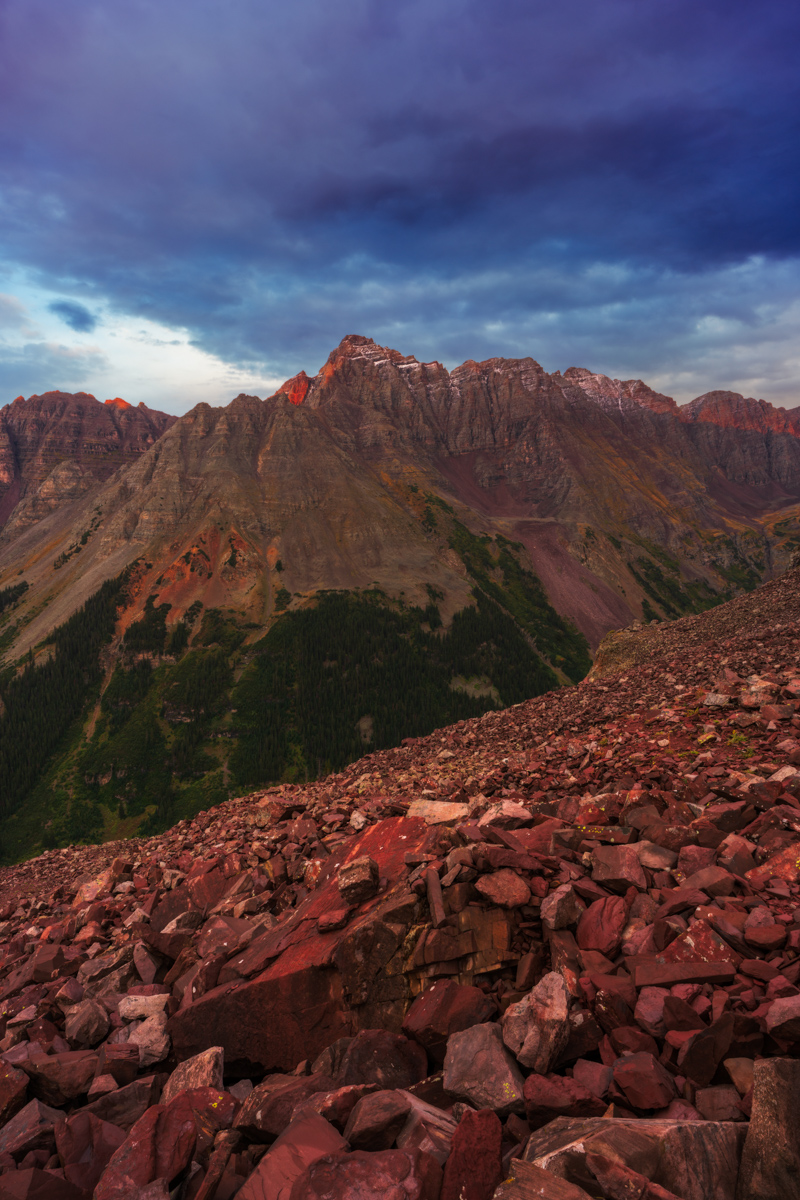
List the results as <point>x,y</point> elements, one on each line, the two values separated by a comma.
<point>193,608</point>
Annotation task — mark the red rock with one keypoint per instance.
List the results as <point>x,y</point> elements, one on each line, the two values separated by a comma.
<point>159,1146</point>
<point>618,867</point>
<point>86,1023</point>
<point>785,865</point>
<point>719,1103</point>
<point>701,1053</point>
<point>125,1106</point>
<point>479,1070</point>
<point>504,888</point>
<point>268,1109</point>
<point>664,974</point>
<point>85,1146</point>
<point>358,879</point>
<point>649,1011</point>
<point>783,1018</point>
<point>445,1007</point>
<point>526,1181</point>
<point>474,1168</point>
<point>594,1076</point>
<point>13,1091</point>
<point>600,927</point>
<point>387,1059</point>
<point>643,1081</point>
<point>57,1078</point>
<point>550,1096</point>
<point>304,1142</point>
<point>30,1129</point>
<point>34,1184</point>
<point>204,1070</point>
<point>376,1120</point>
<point>412,1175</point>
<point>621,1183</point>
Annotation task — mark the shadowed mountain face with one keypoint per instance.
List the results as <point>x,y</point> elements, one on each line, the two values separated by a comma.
<point>58,446</point>
<point>622,503</point>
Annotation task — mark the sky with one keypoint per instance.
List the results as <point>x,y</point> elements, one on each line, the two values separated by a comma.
<point>199,197</point>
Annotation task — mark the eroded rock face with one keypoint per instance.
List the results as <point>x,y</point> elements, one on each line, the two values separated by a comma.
<point>56,446</point>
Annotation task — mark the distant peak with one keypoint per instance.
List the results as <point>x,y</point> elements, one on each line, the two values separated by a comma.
<point>355,339</point>
<point>118,402</point>
<point>296,388</point>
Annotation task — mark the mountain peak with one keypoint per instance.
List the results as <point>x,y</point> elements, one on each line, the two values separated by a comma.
<point>117,402</point>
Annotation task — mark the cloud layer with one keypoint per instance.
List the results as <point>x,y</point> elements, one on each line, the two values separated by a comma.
<point>613,184</point>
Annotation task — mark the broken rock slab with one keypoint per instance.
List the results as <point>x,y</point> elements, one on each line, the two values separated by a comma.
<point>697,1160</point>
<point>771,1158</point>
<point>479,1070</point>
<point>536,1028</point>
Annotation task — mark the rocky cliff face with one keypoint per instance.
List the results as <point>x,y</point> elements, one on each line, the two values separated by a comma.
<point>58,446</point>
<point>623,504</point>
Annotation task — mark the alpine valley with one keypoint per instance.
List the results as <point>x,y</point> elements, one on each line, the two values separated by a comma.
<point>192,608</point>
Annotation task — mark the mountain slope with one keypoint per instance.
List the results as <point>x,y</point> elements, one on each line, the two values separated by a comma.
<point>472,518</point>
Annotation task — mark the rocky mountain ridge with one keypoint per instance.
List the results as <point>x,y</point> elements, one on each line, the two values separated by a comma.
<point>280,564</point>
<point>57,447</point>
<point>553,951</point>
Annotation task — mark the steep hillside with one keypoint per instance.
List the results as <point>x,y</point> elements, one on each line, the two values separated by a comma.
<point>550,951</point>
<point>369,553</point>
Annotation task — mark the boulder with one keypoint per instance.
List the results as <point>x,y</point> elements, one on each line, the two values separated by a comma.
<point>644,1082</point>
<point>562,909</point>
<point>526,1181</point>
<point>268,1109</point>
<point>158,1147</point>
<point>444,1008</point>
<point>601,926</point>
<point>697,1160</point>
<point>536,1028</point>
<point>504,888</point>
<point>388,1059</point>
<point>304,1142</point>
<point>86,1023</point>
<point>479,1070</point>
<point>549,1096</point>
<point>58,1078</point>
<point>358,880</point>
<point>377,1119</point>
<point>13,1091</point>
<point>85,1146</point>
<point>31,1128</point>
<point>32,1183</point>
<point>203,1070</point>
<point>618,868</point>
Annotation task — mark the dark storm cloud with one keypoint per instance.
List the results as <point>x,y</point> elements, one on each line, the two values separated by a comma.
<point>447,172</point>
<point>75,315</point>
